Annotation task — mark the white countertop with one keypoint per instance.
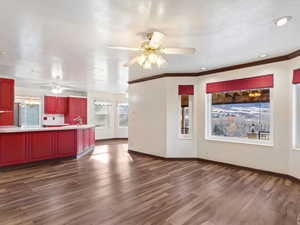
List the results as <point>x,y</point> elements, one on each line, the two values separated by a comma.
<point>32,129</point>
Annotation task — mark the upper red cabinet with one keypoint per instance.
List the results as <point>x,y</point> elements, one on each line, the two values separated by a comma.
<point>77,106</point>
<point>7,94</point>
<point>55,105</point>
<point>62,106</point>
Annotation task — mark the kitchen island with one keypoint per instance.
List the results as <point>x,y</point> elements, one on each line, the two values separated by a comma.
<point>24,145</point>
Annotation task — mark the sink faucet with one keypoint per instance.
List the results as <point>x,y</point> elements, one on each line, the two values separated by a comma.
<point>78,119</point>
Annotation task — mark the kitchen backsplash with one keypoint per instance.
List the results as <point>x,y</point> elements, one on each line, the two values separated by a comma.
<point>53,119</point>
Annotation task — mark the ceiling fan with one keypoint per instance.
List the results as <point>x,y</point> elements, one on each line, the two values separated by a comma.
<point>54,86</point>
<point>152,51</point>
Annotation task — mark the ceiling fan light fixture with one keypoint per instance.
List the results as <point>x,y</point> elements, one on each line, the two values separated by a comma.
<point>147,65</point>
<point>141,59</point>
<point>160,61</point>
<point>153,57</point>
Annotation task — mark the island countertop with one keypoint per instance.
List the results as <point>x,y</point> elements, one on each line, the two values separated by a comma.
<point>34,129</point>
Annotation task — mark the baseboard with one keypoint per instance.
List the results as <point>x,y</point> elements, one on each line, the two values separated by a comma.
<point>90,149</point>
<point>286,176</point>
<point>160,157</point>
<point>112,139</point>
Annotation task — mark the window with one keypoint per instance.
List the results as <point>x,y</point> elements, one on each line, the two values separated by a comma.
<point>185,115</point>
<point>296,110</point>
<point>102,114</point>
<point>185,93</point>
<point>123,114</point>
<point>27,111</point>
<point>240,115</point>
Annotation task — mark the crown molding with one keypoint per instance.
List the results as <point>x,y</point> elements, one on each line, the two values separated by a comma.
<point>222,69</point>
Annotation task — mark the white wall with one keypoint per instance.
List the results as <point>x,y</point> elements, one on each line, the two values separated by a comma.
<point>176,146</point>
<point>155,131</point>
<point>147,117</point>
<point>294,160</point>
<point>114,131</point>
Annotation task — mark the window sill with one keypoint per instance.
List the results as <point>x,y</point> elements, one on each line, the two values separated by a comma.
<point>296,149</point>
<point>240,141</point>
<point>185,138</point>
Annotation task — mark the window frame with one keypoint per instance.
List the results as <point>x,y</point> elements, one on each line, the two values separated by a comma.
<point>110,114</point>
<point>118,114</point>
<point>294,116</point>
<point>191,114</point>
<point>208,130</point>
<point>22,100</point>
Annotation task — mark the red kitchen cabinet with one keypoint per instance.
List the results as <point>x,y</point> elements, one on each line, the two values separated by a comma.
<point>55,105</point>
<point>76,107</point>
<point>12,148</point>
<point>79,141</point>
<point>66,143</point>
<point>50,105</point>
<point>24,147</point>
<point>92,137</point>
<point>86,138</point>
<point>43,145</point>
<point>7,118</point>
<point>7,94</point>
<point>62,106</point>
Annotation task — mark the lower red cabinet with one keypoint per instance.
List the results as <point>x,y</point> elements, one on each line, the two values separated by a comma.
<point>92,136</point>
<point>17,148</point>
<point>42,145</point>
<point>13,148</point>
<point>86,138</point>
<point>66,143</point>
<point>80,148</point>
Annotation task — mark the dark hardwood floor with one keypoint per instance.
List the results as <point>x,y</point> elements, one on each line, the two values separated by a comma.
<point>111,186</point>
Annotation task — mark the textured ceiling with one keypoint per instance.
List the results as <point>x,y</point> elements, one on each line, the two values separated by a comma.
<point>69,38</point>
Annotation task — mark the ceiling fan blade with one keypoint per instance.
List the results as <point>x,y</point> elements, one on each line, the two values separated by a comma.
<point>156,39</point>
<point>178,51</point>
<point>132,61</point>
<point>125,48</point>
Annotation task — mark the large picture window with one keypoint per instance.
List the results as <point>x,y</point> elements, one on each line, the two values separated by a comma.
<point>123,114</point>
<point>240,115</point>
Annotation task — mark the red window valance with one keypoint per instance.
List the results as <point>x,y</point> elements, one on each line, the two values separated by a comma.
<point>186,90</point>
<point>296,77</point>
<point>265,81</point>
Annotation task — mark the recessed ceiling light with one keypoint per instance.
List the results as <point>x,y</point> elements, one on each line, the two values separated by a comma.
<point>264,55</point>
<point>282,21</point>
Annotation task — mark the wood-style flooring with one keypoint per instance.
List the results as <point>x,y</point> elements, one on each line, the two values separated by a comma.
<point>110,186</point>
